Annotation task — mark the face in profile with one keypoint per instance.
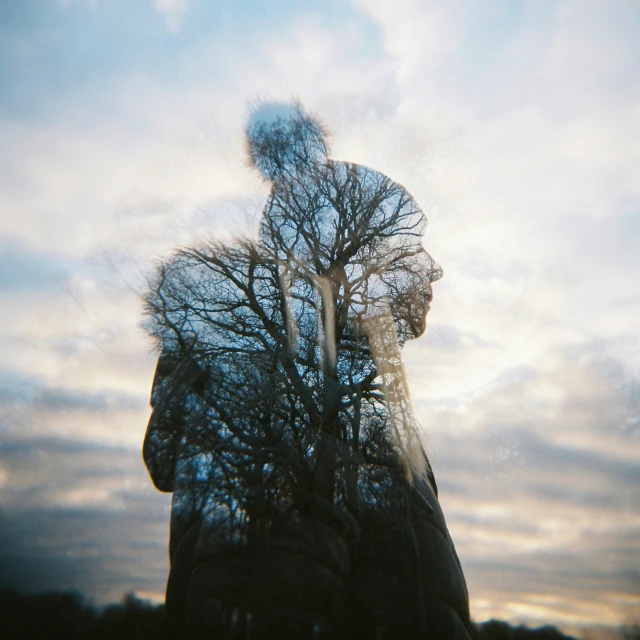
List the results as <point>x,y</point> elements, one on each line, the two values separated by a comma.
<point>341,225</point>
<point>419,300</point>
<point>410,292</point>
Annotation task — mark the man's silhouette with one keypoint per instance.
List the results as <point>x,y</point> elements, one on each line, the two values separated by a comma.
<point>304,504</point>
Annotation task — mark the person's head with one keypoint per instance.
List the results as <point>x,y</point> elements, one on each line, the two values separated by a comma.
<point>341,221</point>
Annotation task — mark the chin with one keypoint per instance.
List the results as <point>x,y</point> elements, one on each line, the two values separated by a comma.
<point>417,327</point>
<point>420,329</point>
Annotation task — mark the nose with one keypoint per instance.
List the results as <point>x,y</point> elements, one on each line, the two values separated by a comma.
<point>436,273</point>
<point>435,270</point>
<point>432,269</point>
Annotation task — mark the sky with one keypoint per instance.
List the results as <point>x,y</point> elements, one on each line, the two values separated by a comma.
<point>516,126</point>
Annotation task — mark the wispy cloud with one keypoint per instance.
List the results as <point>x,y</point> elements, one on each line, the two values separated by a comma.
<point>538,475</point>
<point>173,12</point>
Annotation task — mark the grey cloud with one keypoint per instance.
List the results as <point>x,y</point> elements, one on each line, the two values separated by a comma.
<point>23,449</point>
<point>532,513</point>
<point>511,464</point>
<point>521,463</point>
<point>451,487</point>
<point>447,337</point>
<point>103,554</point>
<point>104,548</point>
<point>18,388</point>
<point>58,399</point>
<point>598,570</point>
<point>46,473</point>
<point>555,492</point>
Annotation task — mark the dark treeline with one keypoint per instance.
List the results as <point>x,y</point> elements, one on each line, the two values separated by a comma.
<point>69,615</point>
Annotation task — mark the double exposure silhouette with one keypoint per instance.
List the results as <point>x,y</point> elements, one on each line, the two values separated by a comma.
<point>303,502</point>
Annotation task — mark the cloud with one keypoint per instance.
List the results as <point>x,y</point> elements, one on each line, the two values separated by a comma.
<point>540,493</point>
<point>414,33</point>
<point>513,125</point>
<point>31,409</point>
<point>173,12</point>
<point>87,550</point>
<point>80,515</point>
<point>539,476</point>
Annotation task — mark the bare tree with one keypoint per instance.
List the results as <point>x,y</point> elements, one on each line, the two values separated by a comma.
<point>304,504</point>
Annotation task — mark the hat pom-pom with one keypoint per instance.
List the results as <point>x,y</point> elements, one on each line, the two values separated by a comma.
<point>283,139</point>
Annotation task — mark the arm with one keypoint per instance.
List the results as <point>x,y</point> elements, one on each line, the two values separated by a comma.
<point>172,383</point>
